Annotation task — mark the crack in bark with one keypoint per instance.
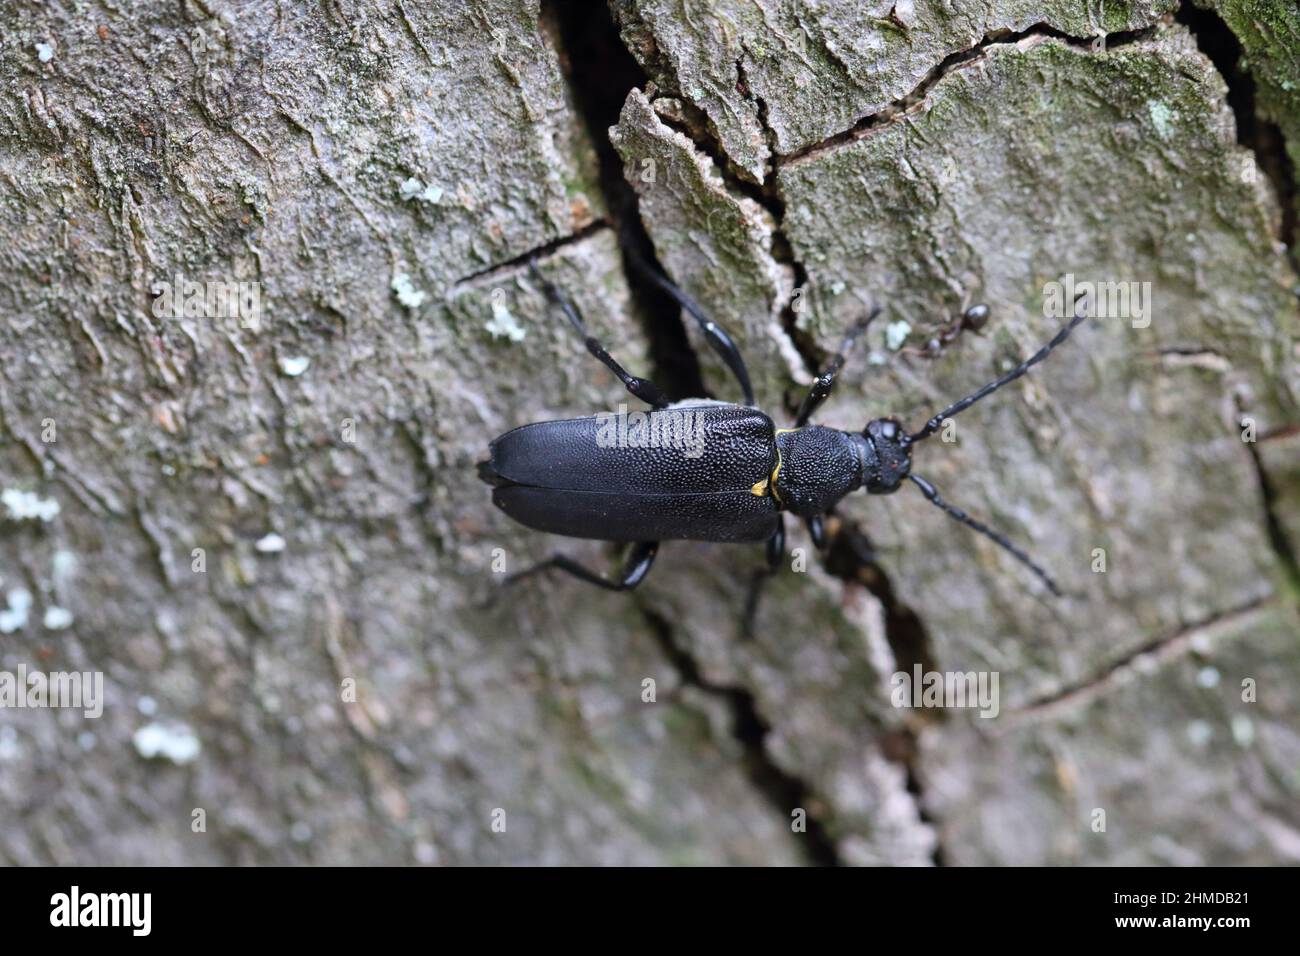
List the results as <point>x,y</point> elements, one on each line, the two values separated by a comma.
<point>1277,434</point>
<point>1278,538</point>
<point>784,791</point>
<point>761,108</point>
<point>910,101</point>
<point>1189,356</point>
<point>851,557</point>
<point>692,125</point>
<point>1161,649</point>
<point>903,628</point>
<point>782,249</point>
<point>766,197</point>
<point>1215,39</point>
<point>601,73</point>
<point>1190,351</point>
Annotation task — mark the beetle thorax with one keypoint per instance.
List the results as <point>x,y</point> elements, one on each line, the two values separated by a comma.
<point>818,466</point>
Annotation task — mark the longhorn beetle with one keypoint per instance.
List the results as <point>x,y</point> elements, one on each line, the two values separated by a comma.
<point>559,477</point>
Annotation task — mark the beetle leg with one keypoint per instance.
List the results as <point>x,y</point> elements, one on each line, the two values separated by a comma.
<point>817,529</point>
<point>642,388</point>
<point>718,338</point>
<point>635,567</point>
<point>824,383</point>
<point>776,546</point>
<point>775,552</point>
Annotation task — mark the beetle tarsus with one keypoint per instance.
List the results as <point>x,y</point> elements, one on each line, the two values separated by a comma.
<point>641,388</point>
<point>719,339</point>
<point>824,383</point>
<point>635,567</point>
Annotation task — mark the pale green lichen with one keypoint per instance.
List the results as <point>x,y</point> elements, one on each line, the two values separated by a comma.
<point>270,543</point>
<point>294,365</point>
<point>1161,116</point>
<point>57,618</point>
<point>896,334</point>
<point>28,506</point>
<point>503,324</point>
<point>174,742</point>
<point>414,189</point>
<point>1243,730</point>
<point>14,616</point>
<point>249,191</point>
<point>407,293</point>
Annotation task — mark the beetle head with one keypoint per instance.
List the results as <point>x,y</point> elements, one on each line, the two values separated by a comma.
<point>890,456</point>
<point>885,449</point>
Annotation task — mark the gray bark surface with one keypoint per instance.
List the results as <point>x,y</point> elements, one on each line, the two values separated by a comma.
<point>385,171</point>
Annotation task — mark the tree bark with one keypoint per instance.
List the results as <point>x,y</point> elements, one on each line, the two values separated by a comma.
<point>270,538</point>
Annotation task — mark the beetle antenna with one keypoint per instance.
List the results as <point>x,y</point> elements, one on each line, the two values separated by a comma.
<point>932,494</point>
<point>935,423</point>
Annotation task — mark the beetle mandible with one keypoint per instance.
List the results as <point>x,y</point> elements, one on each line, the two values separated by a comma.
<point>559,477</point>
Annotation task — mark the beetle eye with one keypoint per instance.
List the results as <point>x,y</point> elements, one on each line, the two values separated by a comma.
<point>889,430</point>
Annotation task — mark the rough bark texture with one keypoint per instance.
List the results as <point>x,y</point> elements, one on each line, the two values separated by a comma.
<point>385,170</point>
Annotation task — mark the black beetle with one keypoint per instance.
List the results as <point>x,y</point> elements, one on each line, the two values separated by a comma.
<point>561,477</point>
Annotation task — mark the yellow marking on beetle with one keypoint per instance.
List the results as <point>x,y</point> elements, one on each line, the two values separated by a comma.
<point>777,470</point>
<point>761,489</point>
